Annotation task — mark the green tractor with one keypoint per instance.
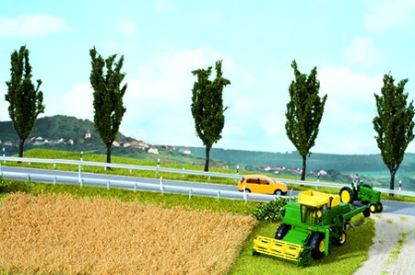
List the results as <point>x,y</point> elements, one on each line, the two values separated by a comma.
<point>364,193</point>
<point>309,227</point>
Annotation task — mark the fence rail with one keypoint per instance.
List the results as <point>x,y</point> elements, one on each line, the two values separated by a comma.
<point>137,185</point>
<point>183,171</point>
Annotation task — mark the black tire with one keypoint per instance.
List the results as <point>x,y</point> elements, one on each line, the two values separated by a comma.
<point>282,231</point>
<point>366,213</point>
<point>247,190</point>
<point>380,207</point>
<point>255,253</point>
<point>346,195</point>
<point>373,207</point>
<point>341,240</point>
<point>278,192</point>
<point>317,244</point>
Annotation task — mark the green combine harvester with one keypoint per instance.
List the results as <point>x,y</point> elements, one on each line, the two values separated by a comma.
<point>309,227</point>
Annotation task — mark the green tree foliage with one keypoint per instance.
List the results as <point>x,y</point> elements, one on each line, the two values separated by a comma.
<point>25,101</point>
<point>394,124</point>
<point>207,106</point>
<point>108,96</point>
<point>304,112</point>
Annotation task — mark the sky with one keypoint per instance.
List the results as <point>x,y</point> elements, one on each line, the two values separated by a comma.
<point>352,44</point>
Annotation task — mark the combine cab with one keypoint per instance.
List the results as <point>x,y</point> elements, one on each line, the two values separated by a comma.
<point>309,227</point>
<point>364,193</point>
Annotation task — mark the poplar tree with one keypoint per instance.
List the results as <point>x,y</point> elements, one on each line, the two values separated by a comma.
<point>106,78</point>
<point>393,124</point>
<point>304,112</point>
<point>25,100</point>
<point>207,107</point>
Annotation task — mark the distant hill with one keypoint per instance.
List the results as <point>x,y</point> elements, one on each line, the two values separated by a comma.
<point>57,130</point>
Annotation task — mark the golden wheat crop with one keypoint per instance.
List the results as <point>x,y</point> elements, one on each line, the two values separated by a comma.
<point>61,234</point>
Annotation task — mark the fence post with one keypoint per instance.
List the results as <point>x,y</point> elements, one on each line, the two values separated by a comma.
<point>161,186</point>
<point>54,180</point>
<point>218,195</point>
<point>190,193</point>
<point>245,196</point>
<point>183,172</point>
<point>135,186</point>
<point>108,184</point>
<point>4,155</point>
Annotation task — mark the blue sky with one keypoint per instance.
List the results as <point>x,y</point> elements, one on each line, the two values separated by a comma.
<point>352,44</point>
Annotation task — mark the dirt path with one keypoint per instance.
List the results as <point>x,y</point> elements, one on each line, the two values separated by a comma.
<point>393,249</point>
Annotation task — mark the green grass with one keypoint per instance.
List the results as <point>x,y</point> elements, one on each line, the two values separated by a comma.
<point>396,250</point>
<point>342,260</point>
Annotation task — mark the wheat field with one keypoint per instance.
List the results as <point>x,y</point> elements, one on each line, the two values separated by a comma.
<point>61,234</point>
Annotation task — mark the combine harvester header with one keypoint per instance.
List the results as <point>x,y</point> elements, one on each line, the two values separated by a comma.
<point>309,227</point>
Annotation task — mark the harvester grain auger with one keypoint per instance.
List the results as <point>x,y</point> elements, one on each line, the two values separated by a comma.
<point>309,227</point>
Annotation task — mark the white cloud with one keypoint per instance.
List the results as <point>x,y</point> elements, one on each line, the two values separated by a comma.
<point>127,27</point>
<point>346,126</point>
<point>163,6</point>
<point>389,14</point>
<point>362,52</point>
<point>31,25</point>
<point>75,102</point>
<point>159,93</point>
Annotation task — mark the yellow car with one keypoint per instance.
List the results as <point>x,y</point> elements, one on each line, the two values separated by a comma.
<point>261,184</point>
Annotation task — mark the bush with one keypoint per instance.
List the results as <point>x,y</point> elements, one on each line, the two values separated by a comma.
<point>14,186</point>
<point>271,211</point>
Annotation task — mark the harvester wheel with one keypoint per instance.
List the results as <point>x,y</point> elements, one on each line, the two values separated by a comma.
<point>341,240</point>
<point>373,208</point>
<point>317,245</point>
<point>380,207</point>
<point>346,195</point>
<point>366,213</point>
<point>282,231</point>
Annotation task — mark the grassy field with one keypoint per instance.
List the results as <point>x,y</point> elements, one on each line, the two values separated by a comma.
<point>342,260</point>
<point>348,257</point>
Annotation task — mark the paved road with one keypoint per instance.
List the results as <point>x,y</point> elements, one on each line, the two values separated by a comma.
<point>174,186</point>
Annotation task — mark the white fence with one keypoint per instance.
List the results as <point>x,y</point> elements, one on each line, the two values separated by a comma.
<point>183,171</point>
<point>137,185</point>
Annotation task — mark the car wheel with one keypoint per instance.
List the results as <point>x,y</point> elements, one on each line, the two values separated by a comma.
<point>278,192</point>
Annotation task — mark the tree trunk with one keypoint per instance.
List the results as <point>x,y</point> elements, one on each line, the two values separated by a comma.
<point>21,145</point>
<point>207,159</point>
<point>109,146</point>
<point>392,180</point>
<point>304,167</point>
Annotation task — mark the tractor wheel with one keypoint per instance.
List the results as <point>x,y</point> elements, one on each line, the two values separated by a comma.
<point>341,240</point>
<point>317,245</point>
<point>366,213</point>
<point>373,208</point>
<point>282,231</point>
<point>346,195</point>
<point>380,207</point>
<point>254,253</point>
